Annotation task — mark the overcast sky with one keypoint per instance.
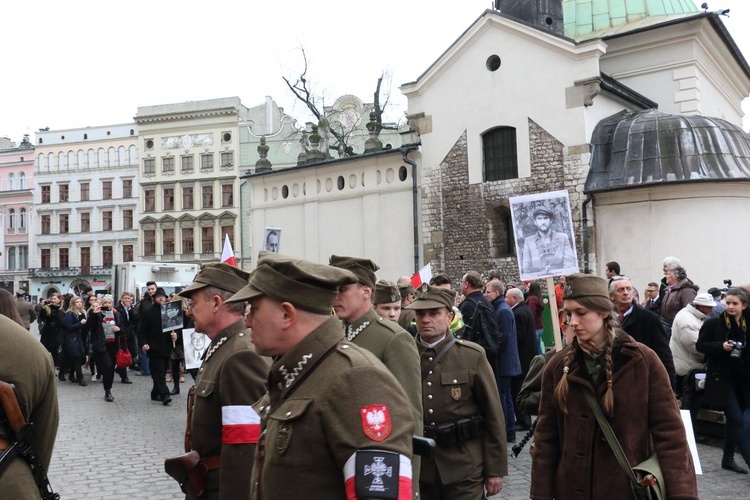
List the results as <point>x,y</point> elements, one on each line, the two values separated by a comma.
<point>86,63</point>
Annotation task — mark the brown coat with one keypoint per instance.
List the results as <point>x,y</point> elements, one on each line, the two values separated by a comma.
<point>681,294</point>
<point>571,457</point>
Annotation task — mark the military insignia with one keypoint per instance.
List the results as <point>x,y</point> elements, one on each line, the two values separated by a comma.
<point>456,393</point>
<point>283,438</point>
<point>395,297</point>
<point>424,291</point>
<point>377,475</point>
<point>567,291</point>
<point>376,422</point>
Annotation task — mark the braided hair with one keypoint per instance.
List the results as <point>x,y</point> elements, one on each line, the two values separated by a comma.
<point>612,329</point>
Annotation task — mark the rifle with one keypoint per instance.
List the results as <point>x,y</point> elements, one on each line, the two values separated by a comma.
<point>19,435</point>
<point>517,448</point>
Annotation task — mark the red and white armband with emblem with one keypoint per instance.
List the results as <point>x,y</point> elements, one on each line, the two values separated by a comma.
<point>378,474</point>
<point>240,424</point>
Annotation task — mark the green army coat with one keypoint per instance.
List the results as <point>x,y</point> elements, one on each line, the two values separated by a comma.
<point>27,364</point>
<point>319,414</point>
<point>223,423</point>
<point>462,384</point>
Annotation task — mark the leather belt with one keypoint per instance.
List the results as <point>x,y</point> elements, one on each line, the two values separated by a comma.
<point>4,444</point>
<point>211,463</point>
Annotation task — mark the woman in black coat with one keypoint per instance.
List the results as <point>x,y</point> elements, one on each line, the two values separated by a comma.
<point>73,345</point>
<point>724,341</point>
<point>51,337</point>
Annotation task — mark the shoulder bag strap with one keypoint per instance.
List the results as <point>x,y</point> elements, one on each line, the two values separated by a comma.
<point>614,444</point>
<point>438,357</point>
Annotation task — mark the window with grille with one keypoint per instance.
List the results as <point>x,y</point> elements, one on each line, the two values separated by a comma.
<point>500,155</point>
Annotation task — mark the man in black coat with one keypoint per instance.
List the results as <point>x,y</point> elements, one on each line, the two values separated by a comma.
<point>644,326</point>
<point>526,339</point>
<point>158,345</point>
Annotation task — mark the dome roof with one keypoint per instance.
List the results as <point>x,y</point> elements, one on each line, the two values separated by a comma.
<point>633,149</point>
<point>585,19</point>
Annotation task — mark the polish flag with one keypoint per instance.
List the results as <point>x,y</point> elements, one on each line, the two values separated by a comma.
<point>423,276</point>
<point>227,254</point>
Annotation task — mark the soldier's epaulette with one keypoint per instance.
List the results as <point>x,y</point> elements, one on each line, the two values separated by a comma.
<point>391,325</point>
<point>470,345</point>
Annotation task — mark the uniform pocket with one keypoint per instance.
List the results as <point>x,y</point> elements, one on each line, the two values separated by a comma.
<point>284,424</point>
<point>204,388</point>
<point>455,386</point>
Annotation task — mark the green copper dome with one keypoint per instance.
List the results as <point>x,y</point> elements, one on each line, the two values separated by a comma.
<point>586,19</point>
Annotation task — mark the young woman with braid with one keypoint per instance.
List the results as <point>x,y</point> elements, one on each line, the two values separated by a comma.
<point>571,457</point>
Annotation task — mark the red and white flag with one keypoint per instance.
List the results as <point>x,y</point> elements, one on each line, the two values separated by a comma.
<point>227,254</point>
<point>423,276</point>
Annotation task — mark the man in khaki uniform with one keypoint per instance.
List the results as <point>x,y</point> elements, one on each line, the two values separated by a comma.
<point>25,309</point>
<point>462,409</point>
<point>390,343</point>
<point>27,364</point>
<point>336,423</point>
<point>406,290</point>
<point>224,428</point>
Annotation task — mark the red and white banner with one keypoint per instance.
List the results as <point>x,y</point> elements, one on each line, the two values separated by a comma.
<point>423,276</point>
<point>240,424</point>
<point>227,254</point>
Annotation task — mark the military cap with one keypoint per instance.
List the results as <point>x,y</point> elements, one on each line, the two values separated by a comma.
<point>308,286</point>
<point>219,275</point>
<point>405,290</point>
<point>431,297</point>
<point>543,211</point>
<point>584,285</point>
<point>363,269</point>
<point>20,292</point>
<point>160,292</point>
<point>386,292</point>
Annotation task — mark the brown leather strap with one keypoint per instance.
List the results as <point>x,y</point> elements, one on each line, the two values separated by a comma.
<point>211,463</point>
<point>188,430</point>
<point>4,444</point>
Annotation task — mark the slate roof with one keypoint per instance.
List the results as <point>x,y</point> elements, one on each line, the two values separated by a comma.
<point>642,148</point>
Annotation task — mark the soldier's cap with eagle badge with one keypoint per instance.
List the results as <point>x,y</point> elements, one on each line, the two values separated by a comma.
<point>219,275</point>
<point>308,286</point>
<point>386,292</point>
<point>584,285</point>
<point>363,269</point>
<point>432,297</point>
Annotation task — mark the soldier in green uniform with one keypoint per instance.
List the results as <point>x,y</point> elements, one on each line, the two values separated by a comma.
<point>336,424</point>
<point>387,300</point>
<point>390,343</point>
<point>27,364</point>
<point>462,409</point>
<point>405,288</point>
<point>223,426</point>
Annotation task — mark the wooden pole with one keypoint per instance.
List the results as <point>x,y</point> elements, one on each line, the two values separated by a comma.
<point>555,315</point>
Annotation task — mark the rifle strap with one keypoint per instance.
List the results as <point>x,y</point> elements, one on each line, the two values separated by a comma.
<point>426,370</point>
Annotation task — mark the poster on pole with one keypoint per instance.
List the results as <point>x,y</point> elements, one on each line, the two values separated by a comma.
<point>195,345</point>
<point>171,316</point>
<point>543,230</point>
<point>272,239</point>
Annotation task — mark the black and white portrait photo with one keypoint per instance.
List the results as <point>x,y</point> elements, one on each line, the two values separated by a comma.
<point>543,229</point>
<point>272,239</point>
<point>171,316</point>
<point>195,344</point>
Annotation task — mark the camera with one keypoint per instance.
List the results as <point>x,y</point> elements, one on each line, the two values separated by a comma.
<point>736,349</point>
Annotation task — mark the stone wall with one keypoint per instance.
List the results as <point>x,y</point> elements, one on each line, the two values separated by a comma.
<point>466,226</point>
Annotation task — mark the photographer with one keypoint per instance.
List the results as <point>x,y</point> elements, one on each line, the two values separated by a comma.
<point>724,341</point>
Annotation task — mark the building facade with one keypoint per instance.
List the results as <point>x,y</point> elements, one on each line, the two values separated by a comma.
<point>189,187</point>
<point>16,197</point>
<point>85,206</point>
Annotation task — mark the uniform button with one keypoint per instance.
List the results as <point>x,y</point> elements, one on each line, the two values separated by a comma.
<point>345,346</point>
<point>262,408</point>
<point>455,381</point>
<point>242,334</point>
<point>203,391</point>
<point>201,370</point>
<point>429,359</point>
<point>280,386</point>
<point>432,423</point>
<point>429,373</point>
<point>429,396</point>
<point>288,414</point>
<point>430,411</point>
<point>429,384</point>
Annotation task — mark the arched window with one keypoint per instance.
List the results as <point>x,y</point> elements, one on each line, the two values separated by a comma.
<point>11,258</point>
<point>11,219</point>
<point>133,156</point>
<point>102,158</point>
<point>500,158</point>
<point>22,218</point>
<point>60,160</point>
<point>112,157</point>
<point>122,156</point>
<point>42,158</point>
<point>21,181</point>
<point>81,158</point>
<point>51,160</point>
<point>91,158</point>
<point>11,182</point>
<point>71,159</point>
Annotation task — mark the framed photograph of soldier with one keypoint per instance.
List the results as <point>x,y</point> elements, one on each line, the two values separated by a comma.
<point>272,239</point>
<point>171,316</point>
<point>543,231</point>
<point>195,345</point>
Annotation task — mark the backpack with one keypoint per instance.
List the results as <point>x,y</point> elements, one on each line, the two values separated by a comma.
<point>484,328</point>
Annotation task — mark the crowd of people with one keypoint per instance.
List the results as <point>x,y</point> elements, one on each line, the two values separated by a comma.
<point>326,375</point>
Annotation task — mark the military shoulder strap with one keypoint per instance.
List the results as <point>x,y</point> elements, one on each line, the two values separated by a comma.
<point>426,370</point>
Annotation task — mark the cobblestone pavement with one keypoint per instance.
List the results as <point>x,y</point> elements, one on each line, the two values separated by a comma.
<point>117,450</point>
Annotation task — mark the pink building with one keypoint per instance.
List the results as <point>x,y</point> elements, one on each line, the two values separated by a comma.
<point>16,197</point>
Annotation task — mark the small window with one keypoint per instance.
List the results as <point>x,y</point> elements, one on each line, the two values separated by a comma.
<point>500,156</point>
<point>493,62</point>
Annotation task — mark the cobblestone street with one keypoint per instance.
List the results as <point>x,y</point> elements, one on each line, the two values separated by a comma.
<point>116,450</point>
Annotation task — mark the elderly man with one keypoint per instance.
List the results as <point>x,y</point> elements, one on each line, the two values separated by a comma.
<point>461,407</point>
<point>335,422</point>
<point>390,343</point>
<point>223,427</point>
<point>546,250</point>
<point>644,326</point>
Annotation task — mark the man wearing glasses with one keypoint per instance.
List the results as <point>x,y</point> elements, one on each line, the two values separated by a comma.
<point>651,299</point>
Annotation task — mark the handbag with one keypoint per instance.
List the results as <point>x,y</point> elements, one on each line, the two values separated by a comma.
<point>646,478</point>
<point>123,358</point>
